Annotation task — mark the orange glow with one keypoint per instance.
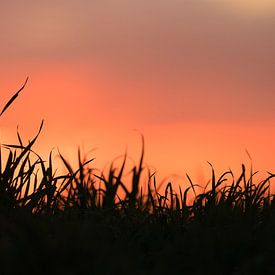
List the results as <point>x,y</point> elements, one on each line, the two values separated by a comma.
<point>69,104</point>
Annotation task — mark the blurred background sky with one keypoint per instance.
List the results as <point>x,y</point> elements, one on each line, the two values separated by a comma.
<point>196,77</point>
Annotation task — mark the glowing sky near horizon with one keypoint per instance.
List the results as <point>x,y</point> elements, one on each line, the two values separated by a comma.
<point>195,77</point>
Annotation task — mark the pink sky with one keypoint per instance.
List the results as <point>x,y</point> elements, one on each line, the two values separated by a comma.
<point>195,77</point>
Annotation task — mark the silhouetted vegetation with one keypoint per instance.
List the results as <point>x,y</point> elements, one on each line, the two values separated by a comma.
<point>90,222</point>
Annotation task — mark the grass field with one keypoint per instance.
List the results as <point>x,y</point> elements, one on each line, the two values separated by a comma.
<point>90,222</point>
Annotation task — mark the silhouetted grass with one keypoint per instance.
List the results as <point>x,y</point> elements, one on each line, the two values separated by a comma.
<point>90,222</point>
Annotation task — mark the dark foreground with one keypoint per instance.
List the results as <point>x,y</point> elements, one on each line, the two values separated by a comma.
<point>79,223</point>
<point>107,242</point>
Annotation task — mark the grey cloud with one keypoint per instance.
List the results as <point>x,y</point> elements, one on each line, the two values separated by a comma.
<point>197,53</point>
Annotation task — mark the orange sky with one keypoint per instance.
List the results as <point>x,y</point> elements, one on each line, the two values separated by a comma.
<point>195,77</point>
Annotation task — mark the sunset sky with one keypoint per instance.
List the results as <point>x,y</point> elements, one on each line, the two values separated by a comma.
<point>195,77</point>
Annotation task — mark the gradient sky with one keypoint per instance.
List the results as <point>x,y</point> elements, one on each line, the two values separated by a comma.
<point>196,77</point>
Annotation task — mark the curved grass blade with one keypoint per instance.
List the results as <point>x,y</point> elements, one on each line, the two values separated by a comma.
<point>13,97</point>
